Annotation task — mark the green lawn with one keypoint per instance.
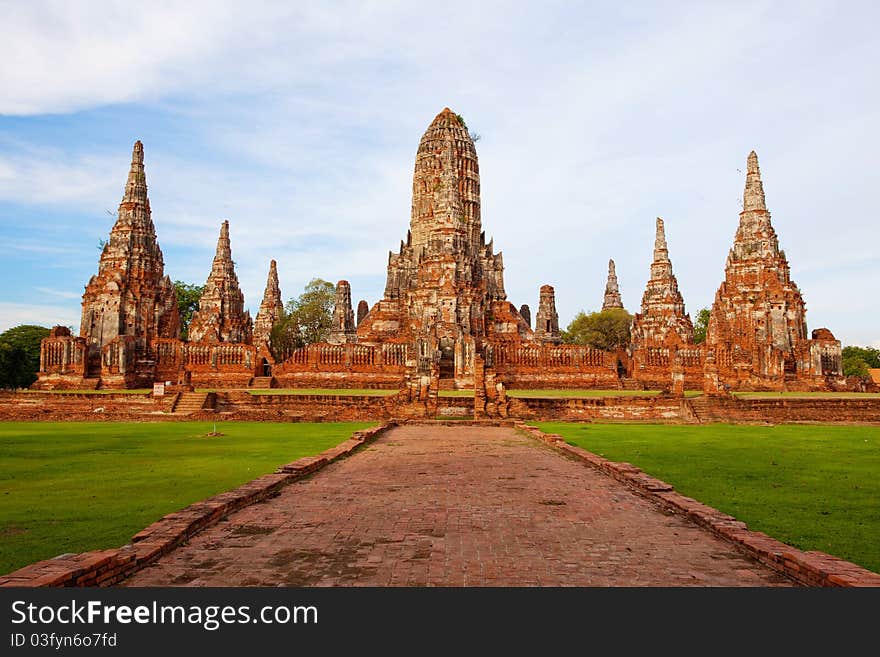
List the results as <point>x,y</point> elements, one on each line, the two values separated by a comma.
<point>114,391</point>
<point>360,392</point>
<point>590,392</point>
<point>816,487</point>
<point>807,395</point>
<point>73,487</point>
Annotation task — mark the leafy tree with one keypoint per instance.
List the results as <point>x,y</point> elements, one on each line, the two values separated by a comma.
<point>285,337</point>
<point>854,366</point>
<point>606,329</point>
<point>858,360</point>
<point>20,355</point>
<point>701,326</point>
<point>188,296</point>
<point>307,319</point>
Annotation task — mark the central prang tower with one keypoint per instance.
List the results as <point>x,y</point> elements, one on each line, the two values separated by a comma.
<point>443,282</point>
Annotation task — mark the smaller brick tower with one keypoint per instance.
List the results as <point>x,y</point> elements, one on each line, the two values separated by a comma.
<point>526,313</point>
<point>362,311</point>
<point>271,309</point>
<point>612,291</point>
<point>343,328</point>
<point>547,320</point>
<point>221,316</point>
<point>662,320</point>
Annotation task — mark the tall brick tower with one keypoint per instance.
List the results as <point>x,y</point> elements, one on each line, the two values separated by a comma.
<point>758,318</point>
<point>271,308</point>
<point>221,316</point>
<point>445,279</point>
<point>662,320</point>
<point>130,295</point>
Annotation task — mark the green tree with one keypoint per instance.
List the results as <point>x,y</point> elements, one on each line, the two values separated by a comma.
<point>20,355</point>
<point>701,326</point>
<point>285,337</point>
<point>606,329</point>
<point>188,296</point>
<point>307,319</point>
<point>858,360</point>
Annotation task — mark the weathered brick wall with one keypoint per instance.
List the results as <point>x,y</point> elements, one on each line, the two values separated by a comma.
<point>645,409</point>
<point>530,365</point>
<point>344,366</point>
<point>783,410</point>
<point>307,408</point>
<point>78,406</point>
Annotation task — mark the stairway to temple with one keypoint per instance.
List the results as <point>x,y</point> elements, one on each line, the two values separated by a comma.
<point>263,382</point>
<point>189,402</point>
<point>700,407</point>
<point>631,384</point>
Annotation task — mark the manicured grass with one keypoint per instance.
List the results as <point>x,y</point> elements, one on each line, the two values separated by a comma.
<point>72,487</point>
<point>131,391</point>
<point>360,392</point>
<point>589,392</point>
<point>816,487</point>
<point>456,393</point>
<point>807,395</point>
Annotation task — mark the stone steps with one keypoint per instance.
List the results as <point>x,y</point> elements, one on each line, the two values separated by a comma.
<point>189,402</point>
<point>700,407</point>
<point>263,382</point>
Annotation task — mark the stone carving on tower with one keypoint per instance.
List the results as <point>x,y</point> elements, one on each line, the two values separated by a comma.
<point>662,320</point>
<point>271,309</point>
<point>612,291</point>
<point>130,295</point>
<point>342,327</point>
<point>221,316</point>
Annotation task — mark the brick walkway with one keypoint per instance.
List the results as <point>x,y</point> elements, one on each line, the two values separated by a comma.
<point>455,506</point>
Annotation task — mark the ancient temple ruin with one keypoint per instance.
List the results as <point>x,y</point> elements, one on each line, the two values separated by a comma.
<point>662,331</point>
<point>612,290</point>
<point>221,316</point>
<point>271,309</point>
<point>444,319</point>
<point>757,327</point>
<point>126,306</point>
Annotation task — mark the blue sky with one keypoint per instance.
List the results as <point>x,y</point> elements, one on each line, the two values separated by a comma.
<point>299,123</point>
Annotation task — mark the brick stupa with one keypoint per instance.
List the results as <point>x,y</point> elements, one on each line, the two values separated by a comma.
<point>271,308</point>
<point>131,295</point>
<point>221,316</point>
<point>612,291</point>
<point>758,316</point>
<point>662,320</point>
<point>342,327</point>
<point>445,281</point>
<point>547,319</point>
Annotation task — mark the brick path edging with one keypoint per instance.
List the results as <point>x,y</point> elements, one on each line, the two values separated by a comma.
<point>107,567</point>
<point>810,568</point>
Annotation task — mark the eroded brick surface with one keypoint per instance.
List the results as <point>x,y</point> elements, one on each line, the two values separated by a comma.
<point>456,506</point>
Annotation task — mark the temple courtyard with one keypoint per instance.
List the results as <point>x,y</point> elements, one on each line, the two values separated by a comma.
<point>428,504</point>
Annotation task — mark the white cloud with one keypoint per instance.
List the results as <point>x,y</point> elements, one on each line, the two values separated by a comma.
<point>42,175</point>
<point>61,294</point>
<point>13,314</point>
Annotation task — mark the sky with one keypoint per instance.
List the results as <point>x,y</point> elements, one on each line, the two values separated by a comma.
<point>299,123</point>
